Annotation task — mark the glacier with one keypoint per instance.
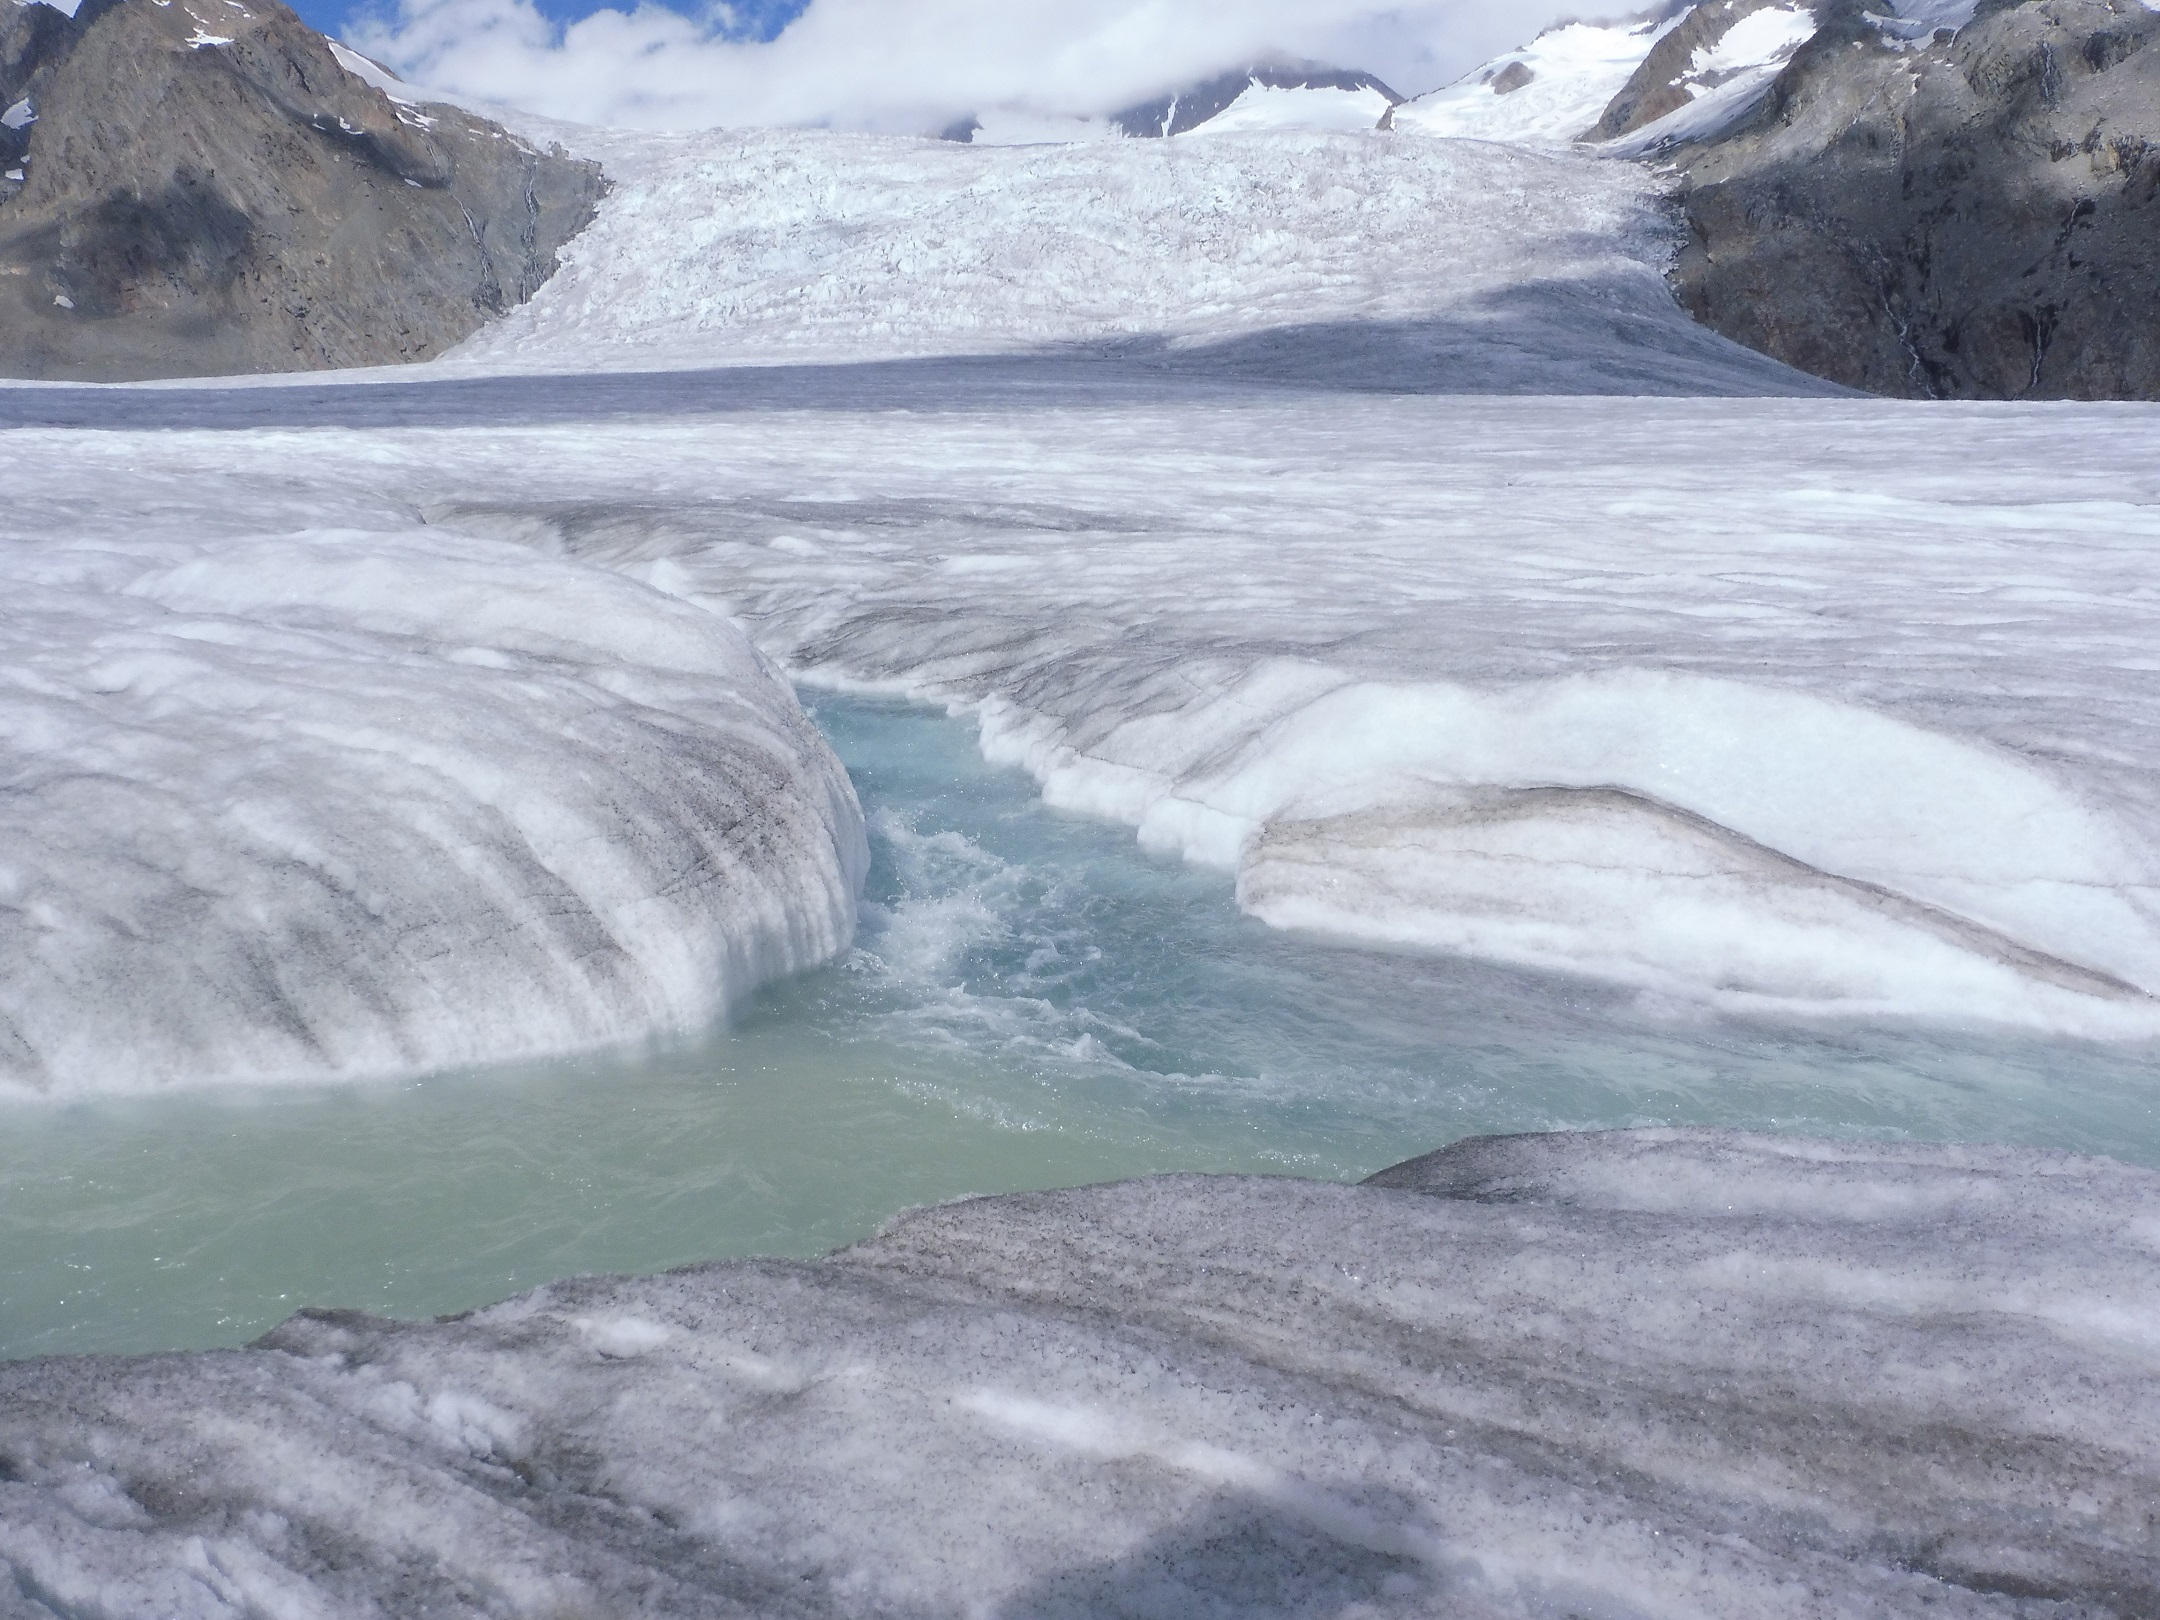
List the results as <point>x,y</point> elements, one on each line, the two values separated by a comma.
<point>1351,258</point>
<point>1391,543</point>
<point>1581,689</point>
<point>1723,699</point>
<point>1810,705</point>
<point>227,862</point>
<point>1655,1372</point>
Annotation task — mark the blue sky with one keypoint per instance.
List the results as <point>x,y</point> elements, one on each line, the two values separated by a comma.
<point>755,19</point>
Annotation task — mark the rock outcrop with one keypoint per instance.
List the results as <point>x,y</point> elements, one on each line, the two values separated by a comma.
<point>192,187</point>
<point>1944,214</point>
<point>1668,79</point>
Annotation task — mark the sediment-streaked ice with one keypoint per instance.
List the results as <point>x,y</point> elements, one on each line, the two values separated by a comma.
<point>1663,1372</point>
<point>322,803</point>
<point>1707,698</point>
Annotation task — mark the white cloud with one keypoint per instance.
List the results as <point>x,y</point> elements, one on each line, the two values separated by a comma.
<point>915,64</point>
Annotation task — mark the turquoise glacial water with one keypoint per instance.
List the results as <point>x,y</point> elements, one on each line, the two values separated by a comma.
<point>1033,1001</point>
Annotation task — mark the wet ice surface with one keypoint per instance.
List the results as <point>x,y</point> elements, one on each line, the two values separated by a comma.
<point>1662,1374</point>
<point>1032,1001</point>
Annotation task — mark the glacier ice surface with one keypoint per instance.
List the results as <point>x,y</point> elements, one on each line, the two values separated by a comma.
<point>1561,682</point>
<point>326,802</point>
<point>1656,1372</point>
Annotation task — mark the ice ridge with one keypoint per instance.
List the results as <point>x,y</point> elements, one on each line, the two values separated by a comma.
<point>1666,829</point>
<point>1657,1372</point>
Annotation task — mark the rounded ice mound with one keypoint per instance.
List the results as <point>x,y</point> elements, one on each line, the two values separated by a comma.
<point>344,803</point>
<point>1683,833</point>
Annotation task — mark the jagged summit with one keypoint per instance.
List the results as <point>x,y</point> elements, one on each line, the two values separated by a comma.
<point>199,186</point>
<point>1965,213</point>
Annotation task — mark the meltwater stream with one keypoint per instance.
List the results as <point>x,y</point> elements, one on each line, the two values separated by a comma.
<point>1033,1001</point>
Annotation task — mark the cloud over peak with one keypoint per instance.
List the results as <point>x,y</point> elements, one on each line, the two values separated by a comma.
<point>914,66</point>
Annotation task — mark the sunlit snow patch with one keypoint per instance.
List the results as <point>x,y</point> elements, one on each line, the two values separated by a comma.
<point>1262,106</point>
<point>1725,81</point>
<point>1549,93</point>
<point>1915,22</point>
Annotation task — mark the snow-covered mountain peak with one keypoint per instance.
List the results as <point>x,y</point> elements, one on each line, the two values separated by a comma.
<point>1331,107</point>
<point>1266,95</point>
<point>1549,92</point>
<point>1633,85</point>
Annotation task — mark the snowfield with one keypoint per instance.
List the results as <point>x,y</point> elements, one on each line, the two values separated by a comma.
<point>1671,1373</point>
<point>1574,72</point>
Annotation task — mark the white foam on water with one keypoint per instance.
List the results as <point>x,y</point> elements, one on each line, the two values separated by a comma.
<point>1664,1372</point>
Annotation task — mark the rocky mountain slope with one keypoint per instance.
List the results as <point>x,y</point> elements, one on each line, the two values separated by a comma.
<point>1972,214</point>
<point>1931,199</point>
<point>191,187</point>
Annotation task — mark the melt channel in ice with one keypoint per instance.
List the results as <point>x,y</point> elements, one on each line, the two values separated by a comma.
<point>1551,682</point>
<point>1660,1372</point>
<point>321,803</point>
